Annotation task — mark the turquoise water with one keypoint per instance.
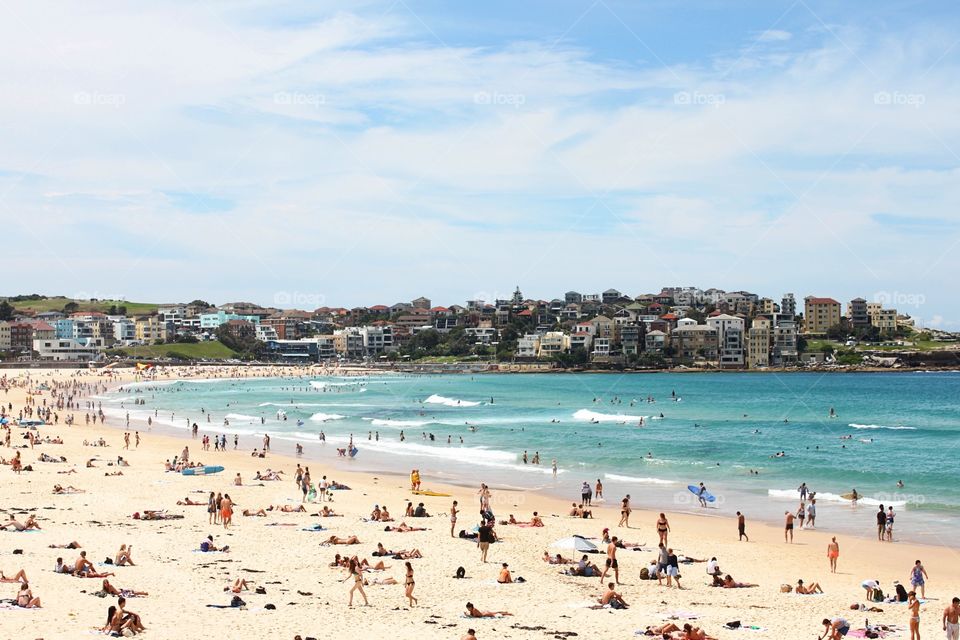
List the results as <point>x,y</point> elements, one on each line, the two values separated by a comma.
<point>716,428</point>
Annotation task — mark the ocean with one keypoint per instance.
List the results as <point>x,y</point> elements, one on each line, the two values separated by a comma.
<point>648,434</point>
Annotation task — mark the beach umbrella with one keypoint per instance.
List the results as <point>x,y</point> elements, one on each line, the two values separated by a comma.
<point>576,543</point>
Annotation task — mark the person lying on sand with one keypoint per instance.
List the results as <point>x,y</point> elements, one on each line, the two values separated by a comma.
<point>473,612</point>
<point>238,585</point>
<point>663,630</point>
<point>115,473</point>
<point>557,559</point>
<point>810,589</point>
<point>123,556</point>
<point>157,514</point>
<point>403,527</point>
<point>19,576</point>
<point>403,554</point>
<point>691,632</point>
<point>108,588</point>
<point>57,489</point>
<point>259,513</point>
<point>29,523</point>
<point>288,508</point>
<point>191,503</point>
<point>730,583</point>
<point>327,512</point>
<point>339,540</point>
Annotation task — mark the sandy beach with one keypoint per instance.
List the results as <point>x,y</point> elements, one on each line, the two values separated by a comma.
<point>309,597</point>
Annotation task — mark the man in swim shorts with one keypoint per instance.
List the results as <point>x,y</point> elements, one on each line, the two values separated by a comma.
<point>951,620</point>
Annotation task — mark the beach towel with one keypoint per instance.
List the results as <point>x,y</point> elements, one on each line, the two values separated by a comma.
<point>315,527</point>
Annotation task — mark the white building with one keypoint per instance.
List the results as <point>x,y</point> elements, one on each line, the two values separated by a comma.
<point>528,346</point>
<point>61,349</point>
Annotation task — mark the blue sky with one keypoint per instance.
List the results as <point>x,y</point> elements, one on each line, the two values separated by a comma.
<point>346,153</point>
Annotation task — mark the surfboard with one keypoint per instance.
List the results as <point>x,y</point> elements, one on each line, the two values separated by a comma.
<point>695,490</point>
<point>849,496</point>
<point>432,493</point>
<point>353,452</point>
<point>202,471</point>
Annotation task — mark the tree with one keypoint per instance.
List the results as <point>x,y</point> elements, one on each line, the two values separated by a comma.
<point>6,311</point>
<point>71,307</point>
<point>202,304</point>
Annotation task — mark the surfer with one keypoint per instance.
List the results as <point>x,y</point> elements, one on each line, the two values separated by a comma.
<point>701,495</point>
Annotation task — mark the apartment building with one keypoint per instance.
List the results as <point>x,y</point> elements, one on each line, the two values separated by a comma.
<point>820,314</point>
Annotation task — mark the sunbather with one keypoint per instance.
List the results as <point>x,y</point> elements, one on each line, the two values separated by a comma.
<point>473,612</point>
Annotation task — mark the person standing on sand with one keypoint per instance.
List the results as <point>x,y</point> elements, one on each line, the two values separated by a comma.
<point>598,492</point>
<point>812,513</point>
<point>918,578</point>
<point>742,527</point>
<point>612,561</point>
<point>788,527</point>
<point>226,510</point>
<point>485,536</point>
<point>453,518</point>
<point>951,620</point>
<point>833,552</point>
<point>212,507</point>
<point>881,524</point>
<point>913,604</point>
<point>663,528</point>
<point>625,512</point>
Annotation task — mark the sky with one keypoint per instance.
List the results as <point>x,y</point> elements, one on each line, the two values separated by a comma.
<point>306,154</point>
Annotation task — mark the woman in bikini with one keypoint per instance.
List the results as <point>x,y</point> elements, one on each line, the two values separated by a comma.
<point>913,604</point>
<point>354,572</point>
<point>226,510</point>
<point>663,528</point>
<point>123,556</point>
<point>212,508</point>
<point>26,600</point>
<point>409,585</point>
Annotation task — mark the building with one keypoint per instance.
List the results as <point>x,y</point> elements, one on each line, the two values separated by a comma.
<point>731,349</point>
<point>241,329</point>
<point>694,340</point>
<point>150,329</point>
<point>421,303</point>
<point>723,323</point>
<point>552,343</point>
<point>758,343</point>
<point>4,336</point>
<point>857,313</point>
<point>885,320</point>
<point>610,296</point>
<point>572,297</point>
<point>377,339</point>
<point>68,349</point>
<point>631,339</point>
<point>655,341</point>
<point>348,343</point>
<point>788,305</point>
<point>528,346</point>
<point>820,314</point>
<point>21,337</point>
<point>785,341</point>
<point>217,318</point>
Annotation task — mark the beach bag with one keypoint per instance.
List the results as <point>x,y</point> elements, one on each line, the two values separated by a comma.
<point>461,573</point>
<point>733,625</point>
<point>786,588</point>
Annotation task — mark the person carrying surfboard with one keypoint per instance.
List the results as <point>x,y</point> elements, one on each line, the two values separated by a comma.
<point>701,495</point>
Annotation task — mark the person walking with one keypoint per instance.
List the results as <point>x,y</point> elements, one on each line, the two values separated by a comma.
<point>833,552</point>
<point>354,571</point>
<point>742,527</point>
<point>408,585</point>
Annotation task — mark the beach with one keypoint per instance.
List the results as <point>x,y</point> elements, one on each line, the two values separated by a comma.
<point>277,553</point>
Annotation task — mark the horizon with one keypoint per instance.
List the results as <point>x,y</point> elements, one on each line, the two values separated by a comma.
<point>364,153</point>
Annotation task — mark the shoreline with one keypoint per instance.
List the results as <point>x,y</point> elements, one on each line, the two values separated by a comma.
<point>661,493</point>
